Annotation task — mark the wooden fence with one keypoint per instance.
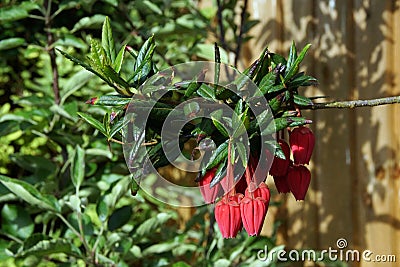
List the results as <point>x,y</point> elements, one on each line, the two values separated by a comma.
<point>355,192</point>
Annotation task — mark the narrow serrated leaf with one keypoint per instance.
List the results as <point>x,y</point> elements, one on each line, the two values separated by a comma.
<point>218,155</point>
<point>302,101</point>
<point>294,68</point>
<point>93,122</point>
<point>119,59</point>
<point>107,40</point>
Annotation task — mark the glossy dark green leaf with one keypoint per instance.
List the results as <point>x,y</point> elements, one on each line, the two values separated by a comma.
<point>117,127</point>
<point>107,40</point>
<point>278,59</point>
<point>119,218</point>
<point>292,56</point>
<point>112,100</point>
<point>119,59</point>
<point>267,82</point>
<point>219,174</point>
<point>302,101</point>
<point>93,122</point>
<point>143,65</point>
<point>218,155</point>
<point>220,127</point>
<point>294,68</point>
<point>302,80</point>
<point>206,92</point>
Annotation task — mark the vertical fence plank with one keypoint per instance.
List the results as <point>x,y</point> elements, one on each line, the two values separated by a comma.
<point>356,165</point>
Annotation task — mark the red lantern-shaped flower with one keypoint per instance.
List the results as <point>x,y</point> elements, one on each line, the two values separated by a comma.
<point>302,142</point>
<point>280,166</point>
<point>209,194</point>
<point>281,184</point>
<point>298,179</point>
<point>227,215</point>
<point>261,191</point>
<point>253,211</point>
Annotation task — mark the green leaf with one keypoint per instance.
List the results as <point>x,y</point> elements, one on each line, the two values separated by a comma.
<point>301,80</point>
<point>102,208</point>
<point>206,92</point>
<point>152,6</point>
<point>120,85</point>
<point>11,43</point>
<point>29,194</point>
<point>219,174</point>
<point>267,82</point>
<point>76,82</point>
<point>242,153</point>
<point>49,247</point>
<point>294,68</point>
<point>95,123</point>
<point>86,66</point>
<point>78,167</point>
<point>93,22</point>
<point>218,155</point>
<point>148,227</point>
<point>17,12</point>
<point>143,64</point>
<point>16,221</point>
<point>112,100</point>
<point>302,101</point>
<point>292,56</point>
<point>119,218</point>
<point>98,55</point>
<point>57,109</point>
<point>206,51</point>
<point>118,127</point>
<point>220,127</point>
<point>107,40</point>
<point>119,59</point>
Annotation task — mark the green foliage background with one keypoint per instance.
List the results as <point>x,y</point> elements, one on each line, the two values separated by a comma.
<point>64,191</point>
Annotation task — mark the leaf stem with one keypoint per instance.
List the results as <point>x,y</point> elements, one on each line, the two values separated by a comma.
<point>356,103</point>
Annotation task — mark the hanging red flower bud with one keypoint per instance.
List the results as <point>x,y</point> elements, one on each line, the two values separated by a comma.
<point>253,213</point>
<point>280,166</point>
<point>227,215</point>
<point>261,191</point>
<point>302,142</point>
<point>298,179</point>
<point>281,184</point>
<point>209,194</point>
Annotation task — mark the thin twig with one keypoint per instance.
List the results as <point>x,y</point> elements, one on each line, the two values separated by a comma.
<point>241,30</point>
<point>356,103</point>
<point>52,53</point>
<point>221,26</point>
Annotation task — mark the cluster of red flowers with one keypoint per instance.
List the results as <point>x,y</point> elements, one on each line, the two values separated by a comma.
<point>293,176</point>
<point>246,203</point>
